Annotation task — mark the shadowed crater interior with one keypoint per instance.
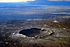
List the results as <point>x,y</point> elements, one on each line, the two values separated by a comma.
<point>30,32</point>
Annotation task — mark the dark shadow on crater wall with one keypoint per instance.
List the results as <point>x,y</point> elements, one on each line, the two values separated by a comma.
<point>30,32</point>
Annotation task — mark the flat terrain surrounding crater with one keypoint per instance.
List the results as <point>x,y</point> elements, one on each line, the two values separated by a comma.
<point>13,36</point>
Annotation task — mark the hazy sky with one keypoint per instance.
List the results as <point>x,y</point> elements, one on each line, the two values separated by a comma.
<point>15,0</point>
<point>28,0</point>
<point>36,2</point>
